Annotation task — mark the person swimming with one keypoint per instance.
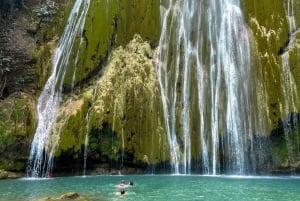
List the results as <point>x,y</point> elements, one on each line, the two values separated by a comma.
<point>131,183</point>
<point>122,184</point>
<point>122,187</point>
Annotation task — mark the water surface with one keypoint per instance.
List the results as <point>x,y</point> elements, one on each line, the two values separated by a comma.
<point>155,187</point>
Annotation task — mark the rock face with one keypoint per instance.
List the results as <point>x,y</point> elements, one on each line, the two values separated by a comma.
<point>3,174</point>
<point>18,55</point>
<point>8,175</point>
<point>270,31</point>
<point>110,24</point>
<point>116,99</point>
<point>122,119</point>
<point>72,196</point>
<point>27,44</point>
<point>22,42</point>
<point>120,123</point>
<point>17,123</point>
<point>277,64</point>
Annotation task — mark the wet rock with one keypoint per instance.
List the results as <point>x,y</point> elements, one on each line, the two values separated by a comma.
<point>17,124</point>
<point>9,175</point>
<point>67,196</point>
<point>3,174</point>
<point>70,195</point>
<point>46,199</point>
<point>285,163</point>
<point>18,55</point>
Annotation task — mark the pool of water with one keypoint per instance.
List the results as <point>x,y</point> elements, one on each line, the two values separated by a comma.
<point>155,187</point>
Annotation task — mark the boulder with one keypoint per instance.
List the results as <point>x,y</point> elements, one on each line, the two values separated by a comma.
<point>3,174</point>
<point>71,196</point>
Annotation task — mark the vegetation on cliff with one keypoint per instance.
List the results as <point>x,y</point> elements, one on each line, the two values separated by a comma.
<point>17,123</point>
<point>110,24</point>
<point>120,114</point>
<point>272,43</point>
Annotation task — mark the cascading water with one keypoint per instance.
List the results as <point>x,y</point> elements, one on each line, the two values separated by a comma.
<point>290,15</point>
<point>43,145</point>
<point>205,77</point>
<point>289,86</point>
<point>87,130</point>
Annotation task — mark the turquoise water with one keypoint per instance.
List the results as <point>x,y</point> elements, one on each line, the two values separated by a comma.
<point>157,187</point>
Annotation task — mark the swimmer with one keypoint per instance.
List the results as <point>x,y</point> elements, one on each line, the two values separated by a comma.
<point>122,186</point>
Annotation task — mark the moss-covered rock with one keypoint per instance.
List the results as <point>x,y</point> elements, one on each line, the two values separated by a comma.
<point>108,25</point>
<point>122,115</point>
<point>276,60</point>
<point>71,196</point>
<point>267,22</point>
<point>296,12</point>
<point>70,128</point>
<point>47,35</point>
<point>128,99</point>
<point>17,124</point>
<point>3,174</point>
<point>9,175</point>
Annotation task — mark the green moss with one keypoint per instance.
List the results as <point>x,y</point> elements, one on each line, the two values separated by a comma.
<point>102,144</point>
<point>131,106</point>
<point>139,17</point>
<point>71,126</point>
<point>47,36</point>
<point>294,64</point>
<point>279,150</point>
<point>108,25</point>
<point>268,24</point>
<point>17,115</point>
<point>96,41</point>
<point>285,146</point>
<point>44,64</point>
<point>17,124</point>
<point>296,11</point>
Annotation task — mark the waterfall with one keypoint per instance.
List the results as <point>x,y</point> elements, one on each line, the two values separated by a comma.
<point>168,92</point>
<point>205,78</point>
<point>43,146</point>
<point>290,15</point>
<point>87,130</point>
<point>289,86</point>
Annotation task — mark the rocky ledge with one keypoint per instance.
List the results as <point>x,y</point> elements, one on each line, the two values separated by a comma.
<point>9,175</point>
<point>68,196</point>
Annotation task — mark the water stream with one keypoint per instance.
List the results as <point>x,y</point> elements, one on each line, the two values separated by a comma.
<point>43,145</point>
<point>87,130</point>
<point>205,77</point>
<point>289,86</point>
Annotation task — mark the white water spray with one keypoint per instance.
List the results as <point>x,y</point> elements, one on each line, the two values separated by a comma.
<point>204,44</point>
<point>43,146</point>
<point>290,15</point>
<point>289,86</point>
<point>87,130</point>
